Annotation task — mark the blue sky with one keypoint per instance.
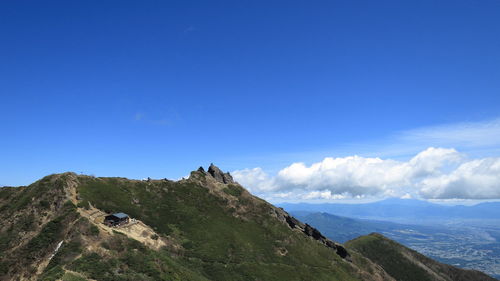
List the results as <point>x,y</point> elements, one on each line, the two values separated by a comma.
<point>158,88</point>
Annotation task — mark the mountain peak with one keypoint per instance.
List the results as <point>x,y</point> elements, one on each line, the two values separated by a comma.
<point>218,175</point>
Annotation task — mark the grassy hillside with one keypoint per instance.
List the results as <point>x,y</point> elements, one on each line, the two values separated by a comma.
<point>210,230</point>
<point>225,237</point>
<point>206,227</point>
<point>407,265</point>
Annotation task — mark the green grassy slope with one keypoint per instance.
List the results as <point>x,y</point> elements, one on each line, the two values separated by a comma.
<point>36,218</point>
<point>33,219</point>
<point>211,229</point>
<point>405,264</point>
<point>214,231</point>
<point>223,238</point>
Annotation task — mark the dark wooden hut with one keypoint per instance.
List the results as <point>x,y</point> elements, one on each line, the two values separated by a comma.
<point>116,219</point>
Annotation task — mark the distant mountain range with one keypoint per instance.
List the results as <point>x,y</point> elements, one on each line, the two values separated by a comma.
<point>402,210</point>
<point>467,243</point>
<point>343,229</point>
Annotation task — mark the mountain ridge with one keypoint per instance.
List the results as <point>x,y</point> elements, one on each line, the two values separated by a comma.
<point>204,222</point>
<point>207,226</point>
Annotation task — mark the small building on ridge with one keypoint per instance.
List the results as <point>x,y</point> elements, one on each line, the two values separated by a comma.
<point>116,219</point>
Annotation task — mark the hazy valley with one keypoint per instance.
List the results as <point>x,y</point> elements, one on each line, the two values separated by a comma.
<point>465,236</point>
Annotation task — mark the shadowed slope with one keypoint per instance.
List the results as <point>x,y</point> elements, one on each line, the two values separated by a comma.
<point>407,265</point>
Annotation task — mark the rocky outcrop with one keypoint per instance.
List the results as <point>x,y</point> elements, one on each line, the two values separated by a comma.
<point>282,216</point>
<point>218,175</point>
<point>312,232</point>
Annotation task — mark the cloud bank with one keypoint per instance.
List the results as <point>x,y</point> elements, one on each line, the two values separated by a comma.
<point>435,173</point>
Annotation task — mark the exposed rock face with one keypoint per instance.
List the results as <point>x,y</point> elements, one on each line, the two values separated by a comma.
<point>218,175</point>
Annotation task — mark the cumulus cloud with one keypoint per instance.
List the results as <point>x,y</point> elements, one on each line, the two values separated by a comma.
<point>435,173</point>
<point>325,194</point>
<point>476,179</point>
<point>255,179</point>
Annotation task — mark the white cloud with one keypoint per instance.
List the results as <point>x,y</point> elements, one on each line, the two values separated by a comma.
<point>476,179</point>
<point>256,180</point>
<point>432,161</point>
<point>325,194</point>
<point>435,173</point>
<point>406,196</point>
<point>355,175</point>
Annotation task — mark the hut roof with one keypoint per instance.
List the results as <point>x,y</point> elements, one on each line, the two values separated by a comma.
<point>120,215</point>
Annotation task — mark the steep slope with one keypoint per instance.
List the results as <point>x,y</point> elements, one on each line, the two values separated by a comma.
<point>206,227</point>
<point>40,219</point>
<point>464,245</point>
<point>407,265</point>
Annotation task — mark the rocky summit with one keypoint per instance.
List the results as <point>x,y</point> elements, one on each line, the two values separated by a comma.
<point>218,175</point>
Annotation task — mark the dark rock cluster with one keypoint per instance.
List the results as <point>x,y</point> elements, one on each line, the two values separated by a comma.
<point>312,232</point>
<point>218,175</point>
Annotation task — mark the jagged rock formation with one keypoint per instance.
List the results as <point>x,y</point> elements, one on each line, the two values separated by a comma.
<point>312,232</point>
<point>220,176</point>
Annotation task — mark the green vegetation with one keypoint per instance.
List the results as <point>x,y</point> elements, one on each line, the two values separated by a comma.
<point>132,261</point>
<point>94,266</point>
<point>214,232</point>
<point>52,231</point>
<point>44,204</point>
<point>216,244</point>
<point>53,274</point>
<point>233,190</point>
<point>6,192</point>
<point>6,238</point>
<point>94,230</point>
<point>389,256</point>
<point>4,268</point>
<point>31,194</point>
<point>72,277</point>
<point>30,228</point>
<point>66,253</point>
<point>407,265</point>
<point>84,204</point>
